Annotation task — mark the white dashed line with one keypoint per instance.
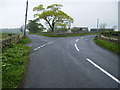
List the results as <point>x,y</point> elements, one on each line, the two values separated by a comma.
<point>104,71</point>
<point>50,42</point>
<point>76,47</point>
<point>77,40</point>
<point>43,46</point>
<point>36,48</point>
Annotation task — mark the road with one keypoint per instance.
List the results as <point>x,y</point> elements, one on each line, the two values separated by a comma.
<point>70,62</point>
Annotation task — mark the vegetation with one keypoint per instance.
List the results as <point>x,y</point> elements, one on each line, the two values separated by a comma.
<point>6,35</point>
<point>14,61</point>
<point>34,27</point>
<point>110,46</point>
<point>111,33</point>
<point>63,34</point>
<point>53,16</point>
<point>103,25</point>
<point>60,30</point>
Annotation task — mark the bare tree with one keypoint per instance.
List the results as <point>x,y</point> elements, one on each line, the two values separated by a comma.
<point>22,28</point>
<point>114,27</point>
<point>103,25</point>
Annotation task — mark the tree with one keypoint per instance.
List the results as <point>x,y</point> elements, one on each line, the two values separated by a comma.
<point>114,28</point>
<point>75,30</point>
<point>34,27</point>
<point>103,25</point>
<point>53,15</point>
<point>22,28</point>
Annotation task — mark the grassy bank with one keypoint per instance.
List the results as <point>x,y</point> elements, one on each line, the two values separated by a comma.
<point>63,34</point>
<point>14,62</point>
<point>115,48</point>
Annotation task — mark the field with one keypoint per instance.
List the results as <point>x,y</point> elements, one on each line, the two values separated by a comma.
<point>7,35</point>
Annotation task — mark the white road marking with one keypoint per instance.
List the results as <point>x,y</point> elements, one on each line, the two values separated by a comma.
<point>50,42</point>
<point>104,71</point>
<point>76,47</point>
<point>77,40</point>
<point>81,37</point>
<point>43,46</point>
<point>37,48</point>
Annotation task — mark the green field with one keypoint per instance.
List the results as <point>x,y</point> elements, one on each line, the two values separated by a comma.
<point>6,35</point>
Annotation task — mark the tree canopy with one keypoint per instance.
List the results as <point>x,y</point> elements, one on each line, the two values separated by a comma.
<point>53,15</point>
<point>34,27</point>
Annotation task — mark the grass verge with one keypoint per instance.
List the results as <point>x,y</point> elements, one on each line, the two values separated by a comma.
<point>115,48</point>
<point>63,34</point>
<point>14,62</point>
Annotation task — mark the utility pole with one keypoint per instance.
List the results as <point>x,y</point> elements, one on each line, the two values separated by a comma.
<point>26,18</point>
<point>97,23</point>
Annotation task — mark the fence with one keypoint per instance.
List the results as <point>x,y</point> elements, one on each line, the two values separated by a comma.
<point>13,39</point>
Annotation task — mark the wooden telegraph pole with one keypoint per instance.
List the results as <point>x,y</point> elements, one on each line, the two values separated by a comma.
<point>26,18</point>
<point>97,23</point>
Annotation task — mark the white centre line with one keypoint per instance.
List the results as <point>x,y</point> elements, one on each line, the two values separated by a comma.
<point>36,48</point>
<point>104,71</point>
<point>77,40</point>
<point>76,47</point>
<point>43,46</point>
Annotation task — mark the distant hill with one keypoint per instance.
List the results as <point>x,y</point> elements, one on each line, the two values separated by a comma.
<point>10,30</point>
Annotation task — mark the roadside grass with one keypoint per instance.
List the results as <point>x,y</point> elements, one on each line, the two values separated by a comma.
<point>115,48</point>
<point>64,34</point>
<point>14,63</point>
<point>0,35</point>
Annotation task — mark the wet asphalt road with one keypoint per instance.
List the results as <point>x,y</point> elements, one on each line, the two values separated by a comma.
<point>70,62</point>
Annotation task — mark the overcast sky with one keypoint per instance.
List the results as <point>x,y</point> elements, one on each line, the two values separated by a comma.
<point>84,12</point>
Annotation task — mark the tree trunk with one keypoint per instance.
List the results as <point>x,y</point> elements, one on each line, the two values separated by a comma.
<point>53,27</point>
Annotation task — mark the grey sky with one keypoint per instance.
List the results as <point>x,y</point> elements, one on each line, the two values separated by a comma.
<point>84,12</point>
